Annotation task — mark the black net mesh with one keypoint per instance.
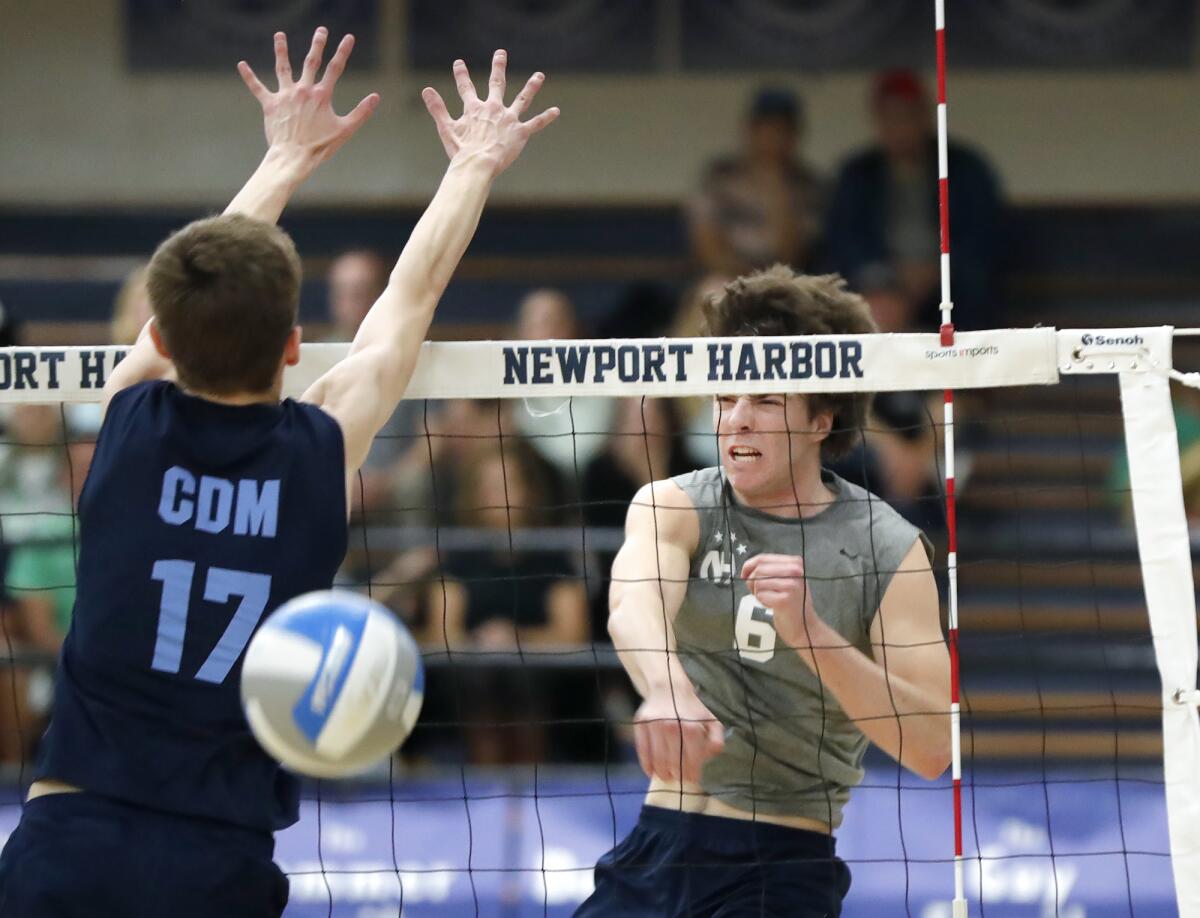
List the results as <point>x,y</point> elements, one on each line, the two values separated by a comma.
<point>490,528</point>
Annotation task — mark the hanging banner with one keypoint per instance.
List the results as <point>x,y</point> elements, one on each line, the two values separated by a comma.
<point>215,34</point>
<point>557,37</point>
<point>1107,34</point>
<point>806,34</point>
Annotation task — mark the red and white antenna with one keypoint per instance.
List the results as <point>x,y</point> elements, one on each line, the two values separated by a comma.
<point>947,331</point>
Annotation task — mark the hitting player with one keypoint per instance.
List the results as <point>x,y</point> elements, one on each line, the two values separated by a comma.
<point>774,619</point>
<point>209,503</point>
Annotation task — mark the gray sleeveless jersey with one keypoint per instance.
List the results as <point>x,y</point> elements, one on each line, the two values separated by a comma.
<point>789,748</point>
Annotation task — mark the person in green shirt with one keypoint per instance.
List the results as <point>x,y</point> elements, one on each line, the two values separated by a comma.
<point>41,581</point>
<point>1187,430</point>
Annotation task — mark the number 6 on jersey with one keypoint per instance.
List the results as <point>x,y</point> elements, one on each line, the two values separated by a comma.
<point>754,631</point>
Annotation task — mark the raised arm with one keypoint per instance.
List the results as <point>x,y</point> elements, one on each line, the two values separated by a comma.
<point>364,389</point>
<point>675,732</point>
<point>302,132</point>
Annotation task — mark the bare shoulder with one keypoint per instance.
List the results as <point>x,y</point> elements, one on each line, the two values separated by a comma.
<point>912,595</point>
<point>345,393</point>
<point>663,512</point>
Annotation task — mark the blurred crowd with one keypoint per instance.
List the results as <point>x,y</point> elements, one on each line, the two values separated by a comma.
<point>560,474</point>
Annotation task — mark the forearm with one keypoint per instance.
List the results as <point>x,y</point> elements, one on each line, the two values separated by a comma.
<point>430,257</point>
<point>908,721</point>
<point>268,190</point>
<point>645,641</point>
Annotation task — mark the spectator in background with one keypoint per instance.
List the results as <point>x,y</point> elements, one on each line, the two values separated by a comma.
<point>131,309</point>
<point>40,482</point>
<point>41,571</point>
<point>696,412</point>
<point>762,205</point>
<point>425,484</point>
<point>1189,470</point>
<point>1185,404</point>
<point>902,446</point>
<point>644,445</point>
<point>12,722</point>
<point>883,233</point>
<point>499,599</point>
<point>567,433</point>
<point>356,279</point>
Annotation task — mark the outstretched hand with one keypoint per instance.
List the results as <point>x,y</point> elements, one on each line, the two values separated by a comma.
<point>488,129</point>
<point>299,116</point>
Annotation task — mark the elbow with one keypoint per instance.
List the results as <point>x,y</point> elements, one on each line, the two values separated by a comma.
<point>931,768</point>
<point>932,763</point>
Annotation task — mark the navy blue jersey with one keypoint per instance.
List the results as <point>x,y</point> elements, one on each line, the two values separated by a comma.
<point>197,519</point>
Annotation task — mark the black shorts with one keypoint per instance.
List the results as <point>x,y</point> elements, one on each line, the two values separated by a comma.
<point>690,864</point>
<point>87,856</point>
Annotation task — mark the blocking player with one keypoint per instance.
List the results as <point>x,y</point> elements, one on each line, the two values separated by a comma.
<point>209,503</point>
<point>775,619</point>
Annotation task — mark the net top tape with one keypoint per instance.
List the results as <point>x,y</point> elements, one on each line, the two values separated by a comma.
<point>669,366</point>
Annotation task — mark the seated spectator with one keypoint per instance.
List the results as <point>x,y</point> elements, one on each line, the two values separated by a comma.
<point>424,486</point>
<point>131,309</point>
<point>883,232</point>
<point>493,598</point>
<point>645,445</point>
<point>565,432</point>
<point>645,309</point>
<point>903,442</point>
<point>696,412</point>
<point>356,279</point>
<point>497,599</point>
<point>13,718</point>
<point>1185,402</point>
<point>43,478</point>
<point>762,205</point>
<point>33,495</point>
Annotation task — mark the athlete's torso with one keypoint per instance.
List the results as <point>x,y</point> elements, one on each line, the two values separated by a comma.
<point>196,521</point>
<point>791,755</point>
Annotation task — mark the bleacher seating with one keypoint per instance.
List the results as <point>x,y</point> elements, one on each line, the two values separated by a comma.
<point>1055,641</point>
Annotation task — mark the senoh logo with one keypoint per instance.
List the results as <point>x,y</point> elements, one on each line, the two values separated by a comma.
<point>1099,340</point>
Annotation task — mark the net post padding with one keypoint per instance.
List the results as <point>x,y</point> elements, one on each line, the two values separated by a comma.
<point>1165,552</point>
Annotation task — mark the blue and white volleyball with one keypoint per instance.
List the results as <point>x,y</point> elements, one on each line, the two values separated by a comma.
<point>332,683</point>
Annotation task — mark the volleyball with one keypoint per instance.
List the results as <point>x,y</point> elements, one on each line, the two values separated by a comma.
<point>332,682</point>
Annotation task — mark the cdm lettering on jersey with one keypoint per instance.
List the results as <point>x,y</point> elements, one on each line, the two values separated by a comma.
<point>743,361</point>
<point>211,504</point>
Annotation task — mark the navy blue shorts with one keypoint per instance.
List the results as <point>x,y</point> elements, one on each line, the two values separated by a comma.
<point>83,856</point>
<point>690,864</point>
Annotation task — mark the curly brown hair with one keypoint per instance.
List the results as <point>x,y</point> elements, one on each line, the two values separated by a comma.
<point>778,301</point>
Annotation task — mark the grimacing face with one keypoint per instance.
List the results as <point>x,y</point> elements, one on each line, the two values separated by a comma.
<point>765,440</point>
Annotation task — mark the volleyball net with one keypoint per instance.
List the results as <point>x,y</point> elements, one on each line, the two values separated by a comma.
<point>488,517</point>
